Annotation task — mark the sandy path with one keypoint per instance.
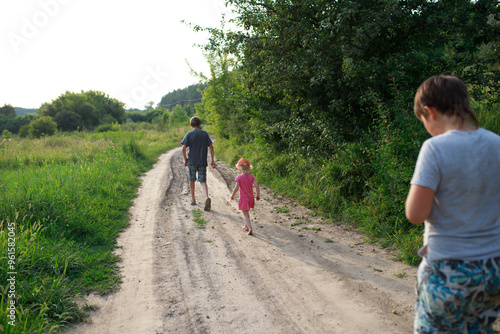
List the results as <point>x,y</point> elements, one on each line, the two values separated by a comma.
<point>283,279</point>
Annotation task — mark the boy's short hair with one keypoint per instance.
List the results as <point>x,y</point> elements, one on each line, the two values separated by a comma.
<point>448,94</point>
<point>195,122</point>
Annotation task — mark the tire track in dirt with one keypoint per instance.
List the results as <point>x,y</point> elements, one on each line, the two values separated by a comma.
<point>213,273</point>
<point>284,279</point>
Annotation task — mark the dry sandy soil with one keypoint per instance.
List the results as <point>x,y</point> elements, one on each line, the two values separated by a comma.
<point>311,277</point>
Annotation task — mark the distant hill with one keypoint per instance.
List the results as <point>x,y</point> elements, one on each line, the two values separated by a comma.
<point>22,111</point>
<point>183,97</point>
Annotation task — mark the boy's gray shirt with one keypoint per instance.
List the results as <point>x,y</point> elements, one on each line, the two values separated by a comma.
<point>463,168</point>
<point>198,142</point>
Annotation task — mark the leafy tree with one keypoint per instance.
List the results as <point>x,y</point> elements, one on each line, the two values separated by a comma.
<point>24,131</point>
<point>13,124</point>
<point>93,107</point>
<point>137,116</point>
<point>326,88</point>
<point>179,116</point>
<point>106,106</point>
<point>88,114</point>
<point>224,104</point>
<point>43,126</point>
<point>154,113</point>
<point>189,109</point>
<point>149,116</point>
<point>162,121</point>
<point>6,134</point>
<point>68,121</point>
<point>185,96</point>
<point>7,115</point>
<point>8,111</point>
<point>313,71</point>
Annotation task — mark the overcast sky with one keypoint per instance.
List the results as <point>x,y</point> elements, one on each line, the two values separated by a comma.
<point>134,51</point>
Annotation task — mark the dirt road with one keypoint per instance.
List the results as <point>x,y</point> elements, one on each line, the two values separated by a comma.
<point>312,277</point>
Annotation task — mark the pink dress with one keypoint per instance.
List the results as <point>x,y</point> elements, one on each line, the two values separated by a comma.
<point>246,201</point>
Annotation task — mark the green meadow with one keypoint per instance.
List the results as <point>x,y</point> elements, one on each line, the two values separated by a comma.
<point>63,201</point>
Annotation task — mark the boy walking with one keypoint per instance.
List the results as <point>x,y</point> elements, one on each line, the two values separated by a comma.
<point>198,142</point>
<point>455,193</point>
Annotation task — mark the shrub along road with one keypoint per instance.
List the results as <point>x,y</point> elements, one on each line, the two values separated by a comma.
<point>296,274</point>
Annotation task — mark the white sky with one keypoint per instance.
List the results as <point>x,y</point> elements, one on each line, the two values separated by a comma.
<point>134,51</point>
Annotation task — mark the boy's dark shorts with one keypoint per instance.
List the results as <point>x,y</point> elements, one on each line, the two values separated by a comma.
<point>200,169</point>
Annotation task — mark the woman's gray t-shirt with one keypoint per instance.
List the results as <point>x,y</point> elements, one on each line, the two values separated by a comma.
<point>463,168</point>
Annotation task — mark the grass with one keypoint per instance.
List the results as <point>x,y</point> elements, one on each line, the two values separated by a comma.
<point>311,228</point>
<point>401,274</point>
<point>67,198</point>
<point>198,218</point>
<point>281,210</point>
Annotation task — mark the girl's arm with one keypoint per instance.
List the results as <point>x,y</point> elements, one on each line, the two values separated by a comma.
<point>236,188</point>
<point>419,203</point>
<point>257,188</point>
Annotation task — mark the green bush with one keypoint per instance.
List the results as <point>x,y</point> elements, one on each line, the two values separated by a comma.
<point>487,113</point>
<point>6,134</point>
<point>24,131</point>
<point>43,126</point>
<point>108,127</point>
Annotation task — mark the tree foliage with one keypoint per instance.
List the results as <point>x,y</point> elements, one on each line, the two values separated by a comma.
<point>179,116</point>
<point>310,69</point>
<point>184,97</point>
<point>91,109</point>
<point>319,94</point>
<point>43,126</point>
<point>68,120</point>
<point>7,111</point>
<point>10,121</point>
<point>162,117</point>
<point>223,103</point>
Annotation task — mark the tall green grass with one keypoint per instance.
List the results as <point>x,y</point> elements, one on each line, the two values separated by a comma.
<point>68,197</point>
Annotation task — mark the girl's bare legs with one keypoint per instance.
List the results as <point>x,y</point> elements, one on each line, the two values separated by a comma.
<point>248,226</point>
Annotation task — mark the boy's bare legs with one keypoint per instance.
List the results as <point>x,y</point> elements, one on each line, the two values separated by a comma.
<point>248,225</point>
<point>191,188</point>
<point>205,188</point>
<point>208,202</point>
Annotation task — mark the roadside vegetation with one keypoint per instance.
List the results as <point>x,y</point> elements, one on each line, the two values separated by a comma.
<point>68,197</point>
<point>318,95</point>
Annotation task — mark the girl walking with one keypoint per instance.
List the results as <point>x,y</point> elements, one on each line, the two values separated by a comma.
<point>244,183</point>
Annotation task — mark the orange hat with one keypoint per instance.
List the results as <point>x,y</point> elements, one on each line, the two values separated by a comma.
<point>243,162</point>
